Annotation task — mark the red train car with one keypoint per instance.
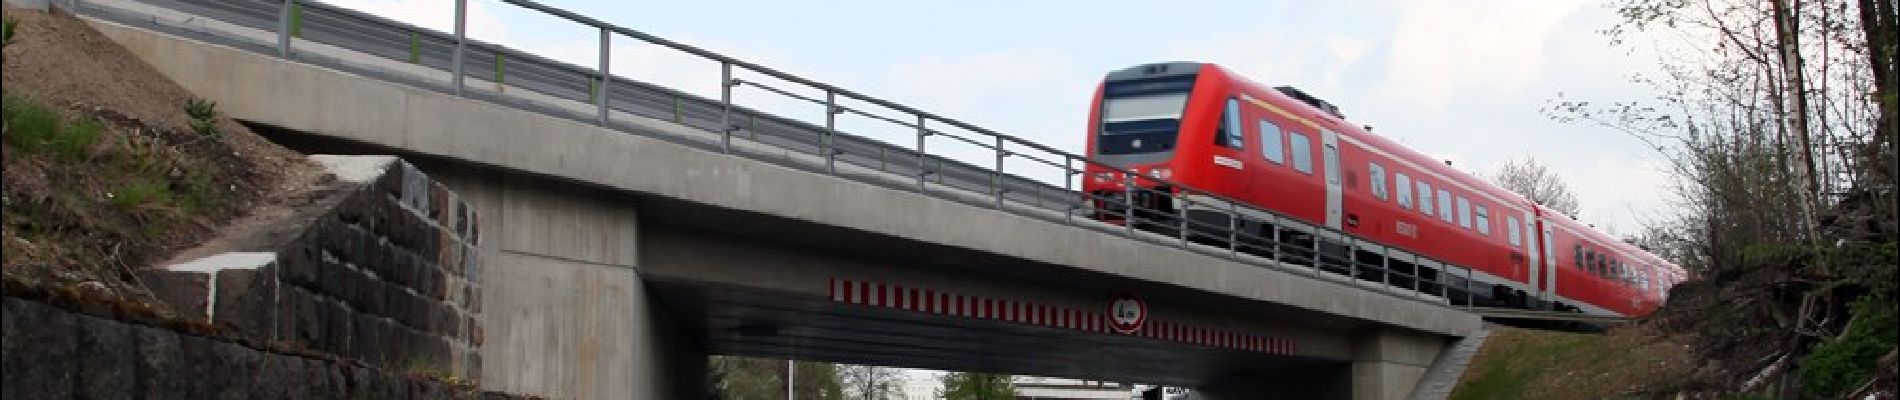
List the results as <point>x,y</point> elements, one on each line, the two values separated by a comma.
<point>1278,149</point>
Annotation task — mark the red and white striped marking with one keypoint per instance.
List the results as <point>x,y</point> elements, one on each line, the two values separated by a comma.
<point>879,294</point>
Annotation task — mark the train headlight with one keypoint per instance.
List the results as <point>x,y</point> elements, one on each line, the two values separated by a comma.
<point>1161,173</point>
<point>1104,177</point>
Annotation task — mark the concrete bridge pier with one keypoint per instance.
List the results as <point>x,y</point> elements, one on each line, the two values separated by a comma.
<point>1386,364</point>
<point>570,314</point>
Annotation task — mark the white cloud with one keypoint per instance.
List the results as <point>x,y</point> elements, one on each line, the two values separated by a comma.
<point>1618,192</point>
<point>1443,48</point>
<point>1346,50</point>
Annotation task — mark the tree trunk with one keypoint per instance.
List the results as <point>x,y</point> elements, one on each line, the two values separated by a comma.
<point>1880,22</point>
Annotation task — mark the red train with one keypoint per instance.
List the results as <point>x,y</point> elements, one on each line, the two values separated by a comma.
<point>1275,148</point>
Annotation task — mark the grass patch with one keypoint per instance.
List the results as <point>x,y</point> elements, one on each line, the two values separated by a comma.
<point>34,128</point>
<point>141,194</point>
<point>1516,361</point>
<point>1530,364</point>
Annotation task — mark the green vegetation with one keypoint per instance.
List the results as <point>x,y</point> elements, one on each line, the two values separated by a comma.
<point>1520,363</point>
<point>977,386</point>
<point>1841,364</point>
<point>6,31</point>
<point>415,48</point>
<point>744,378</point>
<point>34,128</point>
<point>204,114</point>
<point>296,20</point>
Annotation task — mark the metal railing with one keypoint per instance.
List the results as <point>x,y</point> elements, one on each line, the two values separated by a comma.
<point>1285,242</point>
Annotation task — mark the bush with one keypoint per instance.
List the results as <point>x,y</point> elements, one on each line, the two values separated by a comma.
<point>1843,363</point>
<point>204,117</point>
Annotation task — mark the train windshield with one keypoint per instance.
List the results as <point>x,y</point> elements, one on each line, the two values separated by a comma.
<point>1140,124</point>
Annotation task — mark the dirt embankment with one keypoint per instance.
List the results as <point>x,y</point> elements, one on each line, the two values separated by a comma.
<point>106,171</point>
<point>1632,362</point>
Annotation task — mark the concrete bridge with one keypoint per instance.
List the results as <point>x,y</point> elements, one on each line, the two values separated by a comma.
<point>623,254</point>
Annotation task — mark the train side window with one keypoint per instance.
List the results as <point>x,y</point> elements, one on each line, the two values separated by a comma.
<point>1404,186</point>
<point>1464,212</point>
<point>1484,220</point>
<point>1444,207</point>
<point>1510,230</point>
<point>1424,197</point>
<point>1578,261</point>
<point>1272,142</point>
<point>1377,174</point>
<point>1230,135</point>
<point>1302,152</point>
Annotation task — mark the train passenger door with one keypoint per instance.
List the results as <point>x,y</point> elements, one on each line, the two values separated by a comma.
<point>1550,262</point>
<point>1533,250</point>
<point>1335,195</point>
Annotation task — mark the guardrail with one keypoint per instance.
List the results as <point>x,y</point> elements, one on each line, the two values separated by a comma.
<point>1533,315</point>
<point>1289,244</point>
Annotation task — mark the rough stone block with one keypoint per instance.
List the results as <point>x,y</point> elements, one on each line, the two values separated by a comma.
<point>297,265</point>
<point>187,292</point>
<point>161,370</point>
<point>419,312</point>
<point>438,203</point>
<point>301,316</point>
<point>337,322</point>
<point>366,336</point>
<point>429,282</point>
<point>246,301</point>
<point>474,332</point>
<point>106,366</point>
<point>474,298</point>
<point>274,378</point>
<point>39,344</point>
<point>235,366</point>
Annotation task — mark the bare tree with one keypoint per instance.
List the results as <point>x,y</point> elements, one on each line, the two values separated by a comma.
<point>1778,119</point>
<point>867,382</point>
<point>1530,178</point>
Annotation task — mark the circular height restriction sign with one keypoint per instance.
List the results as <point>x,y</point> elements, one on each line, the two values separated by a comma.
<point>1126,313</point>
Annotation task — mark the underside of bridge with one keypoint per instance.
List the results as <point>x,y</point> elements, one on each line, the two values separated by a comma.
<point>738,321</point>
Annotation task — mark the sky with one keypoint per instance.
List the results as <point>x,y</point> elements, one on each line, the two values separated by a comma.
<point>1460,80</point>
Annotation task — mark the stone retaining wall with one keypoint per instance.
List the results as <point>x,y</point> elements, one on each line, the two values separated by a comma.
<point>50,353</point>
<point>388,275</point>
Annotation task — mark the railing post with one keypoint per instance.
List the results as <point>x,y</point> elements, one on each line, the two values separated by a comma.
<point>606,76</point>
<point>997,182</point>
<point>831,130</point>
<point>1068,186</point>
<point>1274,236</point>
<point>1316,257</point>
<point>923,169</point>
<point>1128,204</point>
<point>1386,254</point>
<point>1233,230</point>
<point>1180,216</point>
<point>461,46</point>
<point>1469,297</point>
<point>1443,291</point>
<point>283,28</point>
<point>725,100</point>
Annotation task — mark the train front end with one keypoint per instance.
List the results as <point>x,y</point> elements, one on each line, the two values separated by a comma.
<point>1135,130</point>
